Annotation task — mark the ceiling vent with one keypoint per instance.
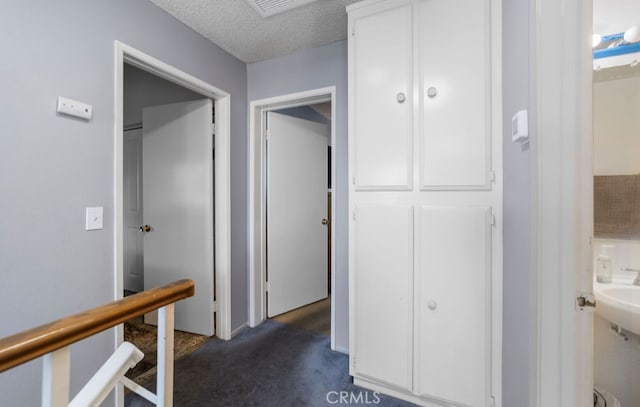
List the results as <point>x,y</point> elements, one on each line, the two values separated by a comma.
<point>268,8</point>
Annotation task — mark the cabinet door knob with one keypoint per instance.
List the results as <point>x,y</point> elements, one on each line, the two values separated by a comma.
<point>432,305</point>
<point>432,92</point>
<point>401,97</point>
<point>145,228</point>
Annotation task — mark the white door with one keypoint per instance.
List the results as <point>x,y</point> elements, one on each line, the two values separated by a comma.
<point>133,267</point>
<point>296,212</point>
<point>178,206</point>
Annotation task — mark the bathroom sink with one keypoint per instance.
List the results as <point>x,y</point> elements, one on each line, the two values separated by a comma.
<point>619,304</point>
<point>627,295</point>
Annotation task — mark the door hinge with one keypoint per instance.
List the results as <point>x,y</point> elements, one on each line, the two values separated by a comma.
<point>266,286</point>
<point>215,306</point>
<point>213,128</point>
<point>353,180</point>
<point>586,302</point>
<point>493,218</point>
<point>493,177</point>
<point>354,215</point>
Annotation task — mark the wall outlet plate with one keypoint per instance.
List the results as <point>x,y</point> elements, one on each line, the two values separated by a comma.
<point>74,108</point>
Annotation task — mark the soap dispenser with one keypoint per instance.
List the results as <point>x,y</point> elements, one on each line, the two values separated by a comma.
<point>603,264</point>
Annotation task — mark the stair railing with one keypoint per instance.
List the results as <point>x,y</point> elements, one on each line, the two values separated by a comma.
<point>52,341</point>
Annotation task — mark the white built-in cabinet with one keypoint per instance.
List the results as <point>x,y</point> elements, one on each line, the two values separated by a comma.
<point>425,231</point>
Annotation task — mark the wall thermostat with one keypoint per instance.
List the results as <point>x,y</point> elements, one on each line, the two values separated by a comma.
<point>520,127</point>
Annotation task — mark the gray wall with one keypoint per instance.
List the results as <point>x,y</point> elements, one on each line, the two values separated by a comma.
<point>142,89</point>
<point>517,317</point>
<point>52,167</point>
<point>311,69</point>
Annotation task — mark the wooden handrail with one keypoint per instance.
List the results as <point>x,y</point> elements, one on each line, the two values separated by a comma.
<point>33,343</point>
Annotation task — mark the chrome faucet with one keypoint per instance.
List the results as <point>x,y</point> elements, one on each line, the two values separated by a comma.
<point>637,280</point>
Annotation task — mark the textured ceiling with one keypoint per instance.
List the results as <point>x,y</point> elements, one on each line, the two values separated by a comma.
<point>236,27</point>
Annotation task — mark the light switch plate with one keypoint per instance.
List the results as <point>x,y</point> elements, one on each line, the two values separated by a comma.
<point>94,220</point>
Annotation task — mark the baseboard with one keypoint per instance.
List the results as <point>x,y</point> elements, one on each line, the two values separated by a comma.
<point>403,394</point>
<point>342,350</point>
<point>238,330</point>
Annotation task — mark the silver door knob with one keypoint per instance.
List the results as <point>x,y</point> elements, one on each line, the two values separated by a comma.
<point>401,97</point>
<point>325,222</point>
<point>432,92</point>
<point>432,305</point>
<point>145,228</point>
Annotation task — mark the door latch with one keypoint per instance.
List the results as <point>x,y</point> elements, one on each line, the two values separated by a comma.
<point>586,302</point>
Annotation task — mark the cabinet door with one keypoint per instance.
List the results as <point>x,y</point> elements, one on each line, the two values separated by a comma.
<point>383,292</point>
<point>455,82</point>
<point>453,298</point>
<point>382,99</point>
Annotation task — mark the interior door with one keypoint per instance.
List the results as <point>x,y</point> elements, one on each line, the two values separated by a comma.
<point>133,254</point>
<point>296,212</point>
<point>178,207</point>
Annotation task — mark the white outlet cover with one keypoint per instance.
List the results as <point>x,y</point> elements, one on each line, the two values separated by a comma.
<point>94,218</point>
<point>74,108</point>
<point>520,127</point>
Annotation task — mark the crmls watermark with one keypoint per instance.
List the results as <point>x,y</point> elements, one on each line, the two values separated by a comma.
<point>352,397</point>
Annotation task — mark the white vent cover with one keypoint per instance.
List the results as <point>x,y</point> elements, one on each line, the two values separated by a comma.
<point>268,8</point>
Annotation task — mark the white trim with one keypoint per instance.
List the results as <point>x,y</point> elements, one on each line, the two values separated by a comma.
<point>238,330</point>
<point>496,160</point>
<point>222,100</point>
<point>561,149</point>
<point>342,350</point>
<point>257,215</point>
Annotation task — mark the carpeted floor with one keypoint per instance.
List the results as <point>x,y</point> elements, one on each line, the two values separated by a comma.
<point>271,365</point>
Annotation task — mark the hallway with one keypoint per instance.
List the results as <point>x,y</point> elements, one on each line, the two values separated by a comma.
<point>271,365</point>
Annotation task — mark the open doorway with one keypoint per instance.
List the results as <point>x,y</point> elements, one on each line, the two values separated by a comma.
<point>298,191</point>
<point>616,205</point>
<point>164,133</point>
<point>141,90</point>
<point>217,179</point>
<point>311,109</point>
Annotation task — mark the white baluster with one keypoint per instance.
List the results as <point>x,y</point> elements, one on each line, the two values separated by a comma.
<point>99,386</point>
<point>55,378</point>
<point>164,390</point>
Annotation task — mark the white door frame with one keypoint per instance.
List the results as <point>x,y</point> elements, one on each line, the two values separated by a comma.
<point>257,195</point>
<point>222,102</point>
<point>561,146</point>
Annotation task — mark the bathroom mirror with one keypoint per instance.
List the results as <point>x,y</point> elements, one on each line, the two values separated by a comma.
<point>616,129</point>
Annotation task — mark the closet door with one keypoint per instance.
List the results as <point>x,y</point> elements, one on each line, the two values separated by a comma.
<point>453,304</point>
<point>382,281</point>
<point>381,170</point>
<point>455,82</point>
<point>382,99</point>
<point>455,227</point>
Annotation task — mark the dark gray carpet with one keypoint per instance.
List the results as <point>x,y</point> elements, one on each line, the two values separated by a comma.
<point>270,365</point>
